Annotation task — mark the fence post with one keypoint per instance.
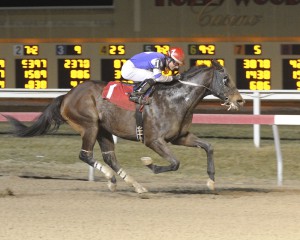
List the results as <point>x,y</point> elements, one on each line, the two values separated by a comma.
<point>256,111</point>
<point>278,155</point>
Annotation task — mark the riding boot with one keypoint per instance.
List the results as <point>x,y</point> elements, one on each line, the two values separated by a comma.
<point>138,94</point>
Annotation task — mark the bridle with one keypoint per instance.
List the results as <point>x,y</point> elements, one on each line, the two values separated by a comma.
<point>217,94</point>
<point>201,85</point>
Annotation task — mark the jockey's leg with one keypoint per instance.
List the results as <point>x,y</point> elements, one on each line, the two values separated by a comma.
<point>138,94</point>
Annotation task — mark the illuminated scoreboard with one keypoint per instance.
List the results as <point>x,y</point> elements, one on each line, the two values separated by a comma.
<point>68,49</point>
<point>252,65</point>
<point>253,73</point>
<point>73,71</point>
<point>26,50</point>
<point>31,73</point>
<point>207,52</point>
<point>2,73</point>
<point>112,69</point>
<point>291,66</point>
<point>164,48</point>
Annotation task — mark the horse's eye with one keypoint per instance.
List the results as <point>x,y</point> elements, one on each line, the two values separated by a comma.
<point>225,80</point>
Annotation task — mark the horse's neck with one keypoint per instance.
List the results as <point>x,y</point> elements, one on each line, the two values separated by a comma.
<point>185,96</point>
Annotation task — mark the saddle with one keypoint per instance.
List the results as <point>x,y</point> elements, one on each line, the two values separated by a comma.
<point>118,93</point>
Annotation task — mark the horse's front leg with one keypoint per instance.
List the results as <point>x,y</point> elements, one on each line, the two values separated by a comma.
<point>190,140</point>
<point>161,148</point>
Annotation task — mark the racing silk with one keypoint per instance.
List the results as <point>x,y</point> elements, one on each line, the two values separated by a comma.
<point>146,65</point>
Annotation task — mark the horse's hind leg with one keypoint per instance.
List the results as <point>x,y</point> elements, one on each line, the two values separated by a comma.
<point>106,143</point>
<point>88,132</point>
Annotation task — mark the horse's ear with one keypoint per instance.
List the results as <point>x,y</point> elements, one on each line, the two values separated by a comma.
<point>216,64</point>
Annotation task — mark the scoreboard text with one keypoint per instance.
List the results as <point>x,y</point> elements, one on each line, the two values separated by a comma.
<point>253,66</point>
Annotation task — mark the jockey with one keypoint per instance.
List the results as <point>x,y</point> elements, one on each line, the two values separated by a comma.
<point>147,67</point>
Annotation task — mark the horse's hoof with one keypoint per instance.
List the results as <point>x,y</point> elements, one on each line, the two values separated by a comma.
<point>146,160</point>
<point>210,184</point>
<point>112,186</point>
<point>145,195</point>
<point>140,189</point>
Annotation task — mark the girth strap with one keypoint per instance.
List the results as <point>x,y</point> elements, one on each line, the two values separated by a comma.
<point>139,123</point>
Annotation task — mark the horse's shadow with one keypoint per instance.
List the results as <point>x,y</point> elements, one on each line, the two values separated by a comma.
<point>182,191</point>
<point>218,191</point>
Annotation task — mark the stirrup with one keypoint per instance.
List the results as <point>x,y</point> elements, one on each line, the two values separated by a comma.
<point>140,100</point>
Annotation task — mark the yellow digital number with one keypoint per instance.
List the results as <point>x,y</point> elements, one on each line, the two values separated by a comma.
<point>78,49</point>
<point>207,49</point>
<point>31,50</point>
<point>257,49</point>
<point>67,63</point>
<point>162,49</point>
<point>296,75</point>
<point>77,63</point>
<point>80,74</point>
<point>117,74</point>
<point>259,74</point>
<point>75,83</point>
<point>112,49</point>
<point>2,84</point>
<point>203,62</point>
<point>208,63</point>
<point>118,63</point>
<point>295,63</point>
<point>2,63</point>
<point>43,63</point>
<point>36,84</point>
<point>256,63</point>
<point>250,63</point>
<point>2,74</point>
<point>259,85</point>
<point>298,85</point>
<point>85,63</point>
<point>35,74</point>
<point>116,49</point>
<point>34,63</point>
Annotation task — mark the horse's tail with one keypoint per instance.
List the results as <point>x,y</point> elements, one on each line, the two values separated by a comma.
<point>49,121</point>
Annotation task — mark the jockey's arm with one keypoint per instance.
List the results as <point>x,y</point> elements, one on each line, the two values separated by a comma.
<point>159,77</point>
<point>157,71</point>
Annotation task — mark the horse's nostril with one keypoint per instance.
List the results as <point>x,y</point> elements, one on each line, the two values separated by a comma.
<point>241,101</point>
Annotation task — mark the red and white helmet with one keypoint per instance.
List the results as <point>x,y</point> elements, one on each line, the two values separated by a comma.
<point>177,55</point>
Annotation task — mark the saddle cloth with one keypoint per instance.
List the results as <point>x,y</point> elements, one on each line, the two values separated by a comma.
<point>118,94</point>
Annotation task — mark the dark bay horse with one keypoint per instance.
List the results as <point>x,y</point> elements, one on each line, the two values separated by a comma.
<point>166,119</point>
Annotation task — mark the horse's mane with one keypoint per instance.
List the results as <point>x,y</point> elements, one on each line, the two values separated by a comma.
<point>194,70</point>
<point>185,75</point>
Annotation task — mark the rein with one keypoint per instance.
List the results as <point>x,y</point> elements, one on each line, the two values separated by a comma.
<point>193,84</point>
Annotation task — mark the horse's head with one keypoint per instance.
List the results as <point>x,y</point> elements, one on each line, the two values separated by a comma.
<point>224,88</point>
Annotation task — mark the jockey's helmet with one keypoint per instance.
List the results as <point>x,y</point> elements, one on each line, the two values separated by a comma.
<point>177,55</point>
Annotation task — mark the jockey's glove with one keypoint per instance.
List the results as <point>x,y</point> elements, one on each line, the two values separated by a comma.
<point>177,77</point>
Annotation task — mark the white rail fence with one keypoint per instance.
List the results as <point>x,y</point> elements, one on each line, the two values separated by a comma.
<point>255,96</point>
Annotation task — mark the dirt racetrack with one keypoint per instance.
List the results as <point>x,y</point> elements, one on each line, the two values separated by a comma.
<point>35,208</point>
<point>44,194</point>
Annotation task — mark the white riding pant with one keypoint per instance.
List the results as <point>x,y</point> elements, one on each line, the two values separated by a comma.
<point>130,72</point>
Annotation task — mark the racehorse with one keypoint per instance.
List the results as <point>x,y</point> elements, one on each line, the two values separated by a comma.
<point>166,120</point>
